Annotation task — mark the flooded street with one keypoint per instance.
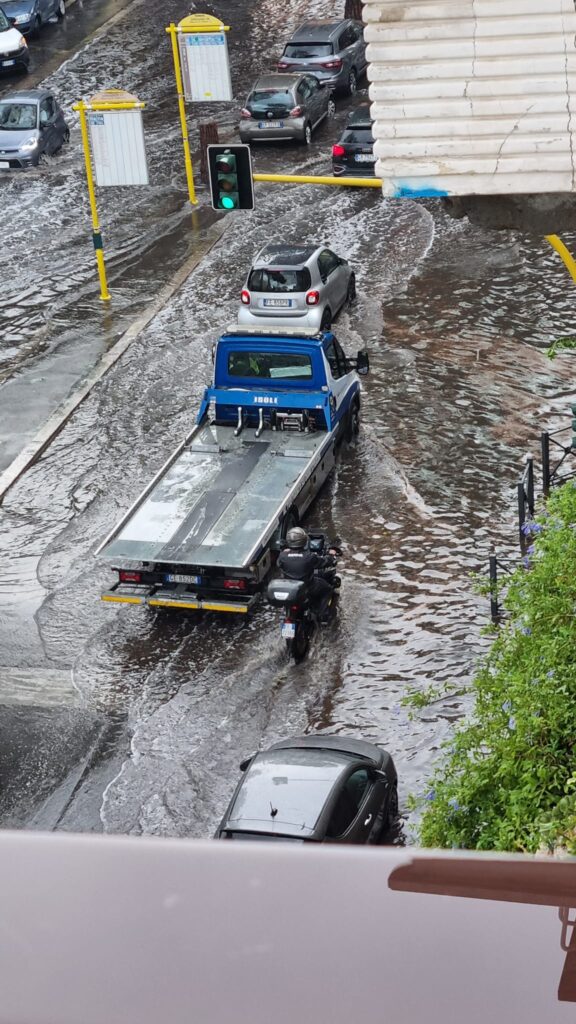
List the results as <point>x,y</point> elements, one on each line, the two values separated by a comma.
<point>456,320</point>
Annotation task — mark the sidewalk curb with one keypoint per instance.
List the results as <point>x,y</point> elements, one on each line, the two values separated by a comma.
<point>54,424</point>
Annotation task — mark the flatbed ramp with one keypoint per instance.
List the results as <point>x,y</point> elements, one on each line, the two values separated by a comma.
<point>217,500</point>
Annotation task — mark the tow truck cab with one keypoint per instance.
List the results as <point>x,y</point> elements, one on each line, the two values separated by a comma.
<point>204,533</point>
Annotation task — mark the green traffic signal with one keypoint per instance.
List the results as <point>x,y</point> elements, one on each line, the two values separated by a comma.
<point>230,173</point>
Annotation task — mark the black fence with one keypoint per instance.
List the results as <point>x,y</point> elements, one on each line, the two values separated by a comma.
<point>557,468</point>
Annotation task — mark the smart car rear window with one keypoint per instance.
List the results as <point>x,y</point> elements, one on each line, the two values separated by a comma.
<point>303,51</point>
<point>266,280</point>
<point>270,365</point>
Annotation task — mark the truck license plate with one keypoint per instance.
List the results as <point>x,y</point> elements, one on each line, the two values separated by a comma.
<point>277,303</point>
<point>288,630</point>
<point>175,577</point>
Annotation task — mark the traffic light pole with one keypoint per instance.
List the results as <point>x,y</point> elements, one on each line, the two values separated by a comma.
<point>307,179</point>
<point>172,31</point>
<point>566,257</point>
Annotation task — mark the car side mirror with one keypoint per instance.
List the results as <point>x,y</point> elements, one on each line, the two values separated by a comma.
<point>362,363</point>
<point>245,764</point>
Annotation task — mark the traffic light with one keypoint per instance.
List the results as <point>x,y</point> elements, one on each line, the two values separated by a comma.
<point>231,185</point>
<point>574,426</point>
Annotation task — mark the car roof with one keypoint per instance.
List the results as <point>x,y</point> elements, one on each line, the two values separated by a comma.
<point>282,254</point>
<point>26,96</point>
<point>337,744</point>
<point>277,81</point>
<point>317,31</point>
<point>293,782</point>
<point>361,117</point>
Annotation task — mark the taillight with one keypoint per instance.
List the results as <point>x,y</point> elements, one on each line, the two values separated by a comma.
<point>295,112</point>
<point>234,584</point>
<point>245,297</point>
<point>338,151</point>
<point>294,609</point>
<point>129,577</point>
<point>336,63</point>
<point>245,114</point>
<point>312,298</point>
<point>282,65</point>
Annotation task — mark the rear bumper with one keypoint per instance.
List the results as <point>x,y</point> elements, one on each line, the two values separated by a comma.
<point>293,130</point>
<point>356,171</point>
<point>165,598</point>
<point>311,318</point>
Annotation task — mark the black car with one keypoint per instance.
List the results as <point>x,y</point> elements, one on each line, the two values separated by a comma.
<point>322,789</point>
<point>353,154</point>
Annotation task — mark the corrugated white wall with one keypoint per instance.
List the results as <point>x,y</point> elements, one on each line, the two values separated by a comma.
<point>473,97</point>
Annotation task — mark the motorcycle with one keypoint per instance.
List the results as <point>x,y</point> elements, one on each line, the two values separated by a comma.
<point>301,617</point>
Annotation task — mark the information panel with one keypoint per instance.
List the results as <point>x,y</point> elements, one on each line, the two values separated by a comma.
<point>117,144</point>
<point>205,67</point>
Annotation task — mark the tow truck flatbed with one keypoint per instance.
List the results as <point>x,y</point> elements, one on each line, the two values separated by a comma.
<point>205,531</point>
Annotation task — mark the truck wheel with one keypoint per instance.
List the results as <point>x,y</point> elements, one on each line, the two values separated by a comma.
<point>353,422</point>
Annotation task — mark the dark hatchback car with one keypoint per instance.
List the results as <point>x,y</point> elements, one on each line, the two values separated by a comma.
<point>334,51</point>
<point>353,154</point>
<point>285,107</point>
<point>322,789</point>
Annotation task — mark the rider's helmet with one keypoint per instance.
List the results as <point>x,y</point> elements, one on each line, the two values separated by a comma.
<point>296,538</point>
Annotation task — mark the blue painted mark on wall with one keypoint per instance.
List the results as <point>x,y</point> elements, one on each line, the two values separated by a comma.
<point>406,192</point>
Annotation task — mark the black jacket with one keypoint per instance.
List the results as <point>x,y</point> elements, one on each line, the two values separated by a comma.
<point>300,565</point>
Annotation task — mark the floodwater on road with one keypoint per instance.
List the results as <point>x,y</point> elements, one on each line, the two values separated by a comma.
<point>456,320</point>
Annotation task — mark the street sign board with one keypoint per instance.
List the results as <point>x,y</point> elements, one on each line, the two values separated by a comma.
<point>205,66</point>
<point>117,144</point>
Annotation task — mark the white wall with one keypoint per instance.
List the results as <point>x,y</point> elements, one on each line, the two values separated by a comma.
<point>473,97</point>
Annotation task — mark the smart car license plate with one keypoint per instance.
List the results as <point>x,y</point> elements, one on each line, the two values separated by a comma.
<point>277,303</point>
<point>4,164</point>
<point>288,630</point>
<point>364,158</point>
<point>175,577</point>
<point>270,124</point>
<point>8,63</point>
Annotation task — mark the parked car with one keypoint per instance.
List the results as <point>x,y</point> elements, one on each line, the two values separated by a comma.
<point>285,107</point>
<point>31,124</point>
<point>14,54</point>
<point>334,51</point>
<point>30,15</point>
<point>353,154</point>
<point>322,789</point>
<point>296,286</point>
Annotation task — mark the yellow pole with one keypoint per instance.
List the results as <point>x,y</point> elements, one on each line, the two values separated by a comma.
<point>566,257</point>
<point>96,235</point>
<point>173,32</point>
<point>306,179</point>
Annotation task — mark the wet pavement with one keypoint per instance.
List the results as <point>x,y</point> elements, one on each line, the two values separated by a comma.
<point>456,319</point>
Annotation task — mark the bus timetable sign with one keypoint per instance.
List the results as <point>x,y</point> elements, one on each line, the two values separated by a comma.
<point>204,59</point>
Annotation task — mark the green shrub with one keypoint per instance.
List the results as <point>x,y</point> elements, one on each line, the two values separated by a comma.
<point>509,778</point>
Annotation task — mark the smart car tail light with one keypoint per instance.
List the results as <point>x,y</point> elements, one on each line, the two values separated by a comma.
<point>312,298</point>
<point>296,112</point>
<point>282,65</point>
<point>245,297</point>
<point>338,150</point>
<point>245,114</point>
<point>126,576</point>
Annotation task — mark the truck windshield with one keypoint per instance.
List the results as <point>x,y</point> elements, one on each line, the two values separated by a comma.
<point>270,365</point>
<point>279,280</point>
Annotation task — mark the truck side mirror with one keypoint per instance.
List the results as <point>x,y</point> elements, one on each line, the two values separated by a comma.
<point>362,363</point>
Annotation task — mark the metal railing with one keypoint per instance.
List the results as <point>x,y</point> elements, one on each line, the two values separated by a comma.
<point>525,499</point>
<point>553,448</point>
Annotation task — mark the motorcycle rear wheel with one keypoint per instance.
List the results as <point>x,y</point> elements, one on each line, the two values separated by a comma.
<point>297,646</point>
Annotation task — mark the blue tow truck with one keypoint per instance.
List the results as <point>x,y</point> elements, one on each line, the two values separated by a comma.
<point>205,532</point>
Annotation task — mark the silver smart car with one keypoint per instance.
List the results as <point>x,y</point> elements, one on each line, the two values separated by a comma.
<point>296,286</point>
<point>285,107</point>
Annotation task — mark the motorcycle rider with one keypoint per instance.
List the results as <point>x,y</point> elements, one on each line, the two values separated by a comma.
<point>298,562</point>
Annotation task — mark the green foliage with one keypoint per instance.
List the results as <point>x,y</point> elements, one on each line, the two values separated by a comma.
<point>509,780</point>
<point>561,345</point>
